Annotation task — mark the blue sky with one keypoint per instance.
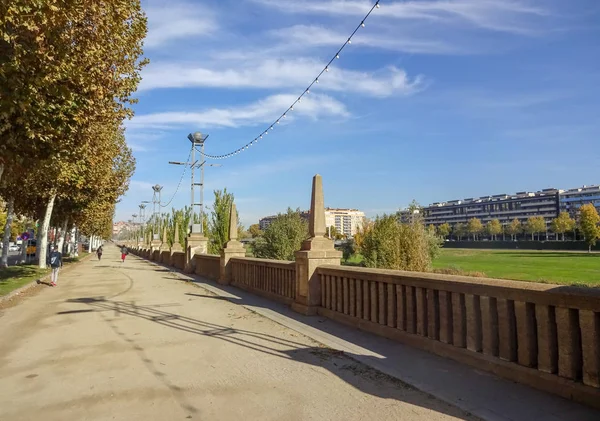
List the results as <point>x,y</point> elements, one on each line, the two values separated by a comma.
<point>433,100</point>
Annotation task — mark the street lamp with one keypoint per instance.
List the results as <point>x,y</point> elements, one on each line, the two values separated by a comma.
<point>197,139</point>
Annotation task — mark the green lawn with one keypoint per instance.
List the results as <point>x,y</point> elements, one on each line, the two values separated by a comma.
<point>16,276</point>
<point>553,267</point>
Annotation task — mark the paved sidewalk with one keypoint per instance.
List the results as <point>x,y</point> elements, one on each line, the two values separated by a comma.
<point>132,342</point>
<point>481,394</point>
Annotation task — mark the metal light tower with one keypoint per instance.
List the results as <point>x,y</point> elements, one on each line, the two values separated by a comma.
<point>142,218</point>
<point>156,205</point>
<point>197,139</point>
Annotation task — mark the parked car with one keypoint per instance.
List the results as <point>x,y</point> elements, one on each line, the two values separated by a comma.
<point>14,247</point>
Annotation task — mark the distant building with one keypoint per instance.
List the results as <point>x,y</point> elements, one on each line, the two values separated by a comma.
<point>408,215</point>
<point>264,223</point>
<point>345,221</point>
<point>503,207</point>
<point>572,199</point>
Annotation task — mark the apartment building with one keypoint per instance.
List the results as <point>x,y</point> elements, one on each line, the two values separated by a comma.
<point>346,221</point>
<point>572,199</point>
<point>503,207</point>
<point>265,222</point>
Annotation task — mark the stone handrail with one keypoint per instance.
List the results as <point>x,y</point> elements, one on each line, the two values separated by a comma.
<point>208,265</point>
<point>178,259</point>
<point>275,279</point>
<point>544,335</point>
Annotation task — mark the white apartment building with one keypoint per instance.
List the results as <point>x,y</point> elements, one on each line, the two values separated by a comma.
<point>346,221</point>
<point>572,199</point>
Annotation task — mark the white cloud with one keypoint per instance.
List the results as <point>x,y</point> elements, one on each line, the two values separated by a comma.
<point>496,15</point>
<point>177,21</point>
<point>274,74</point>
<point>310,36</point>
<point>262,111</point>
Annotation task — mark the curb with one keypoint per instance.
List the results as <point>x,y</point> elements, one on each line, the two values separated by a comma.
<point>32,284</point>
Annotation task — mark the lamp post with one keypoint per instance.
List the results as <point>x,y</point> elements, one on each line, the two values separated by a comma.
<point>197,139</point>
<point>156,205</point>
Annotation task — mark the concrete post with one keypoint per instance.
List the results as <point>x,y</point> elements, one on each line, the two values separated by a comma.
<point>233,248</point>
<point>176,244</point>
<point>194,243</point>
<point>315,251</point>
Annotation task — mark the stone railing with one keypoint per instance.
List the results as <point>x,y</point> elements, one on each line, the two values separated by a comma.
<point>546,336</point>
<point>275,279</point>
<point>178,260</point>
<point>208,265</point>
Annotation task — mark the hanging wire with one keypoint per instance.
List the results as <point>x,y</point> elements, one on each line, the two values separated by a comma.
<point>180,180</point>
<point>299,99</point>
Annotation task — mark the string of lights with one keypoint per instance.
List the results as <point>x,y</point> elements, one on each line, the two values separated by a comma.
<point>180,180</point>
<point>302,95</point>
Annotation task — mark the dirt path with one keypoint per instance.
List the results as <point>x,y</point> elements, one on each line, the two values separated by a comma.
<point>131,342</point>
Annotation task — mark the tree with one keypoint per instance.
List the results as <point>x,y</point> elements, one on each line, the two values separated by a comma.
<point>334,234</point>
<point>459,230</point>
<point>444,230</point>
<point>562,224</point>
<point>514,229</point>
<point>535,225</point>
<point>283,237</point>
<point>254,230</point>
<point>391,244</point>
<point>493,228</point>
<point>73,68</point>
<point>348,249</point>
<point>474,227</point>
<point>588,224</point>
<point>219,221</point>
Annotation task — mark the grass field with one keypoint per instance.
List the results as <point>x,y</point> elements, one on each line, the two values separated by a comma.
<point>15,277</point>
<point>565,268</point>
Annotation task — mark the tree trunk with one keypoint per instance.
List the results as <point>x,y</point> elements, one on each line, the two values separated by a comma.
<point>62,235</point>
<point>90,240</point>
<point>23,257</point>
<point>43,235</point>
<point>589,248</point>
<point>10,210</point>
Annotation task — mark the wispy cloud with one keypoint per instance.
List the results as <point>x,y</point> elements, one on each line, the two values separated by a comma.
<point>497,15</point>
<point>262,111</point>
<point>276,74</point>
<point>311,36</point>
<point>175,21</point>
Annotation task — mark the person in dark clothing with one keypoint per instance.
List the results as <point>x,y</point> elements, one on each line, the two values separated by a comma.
<point>56,263</point>
<point>124,253</point>
<point>99,252</point>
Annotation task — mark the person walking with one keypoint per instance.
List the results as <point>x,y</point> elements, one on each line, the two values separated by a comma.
<point>124,253</point>
<point>56,263</point>
<point>99,252</point>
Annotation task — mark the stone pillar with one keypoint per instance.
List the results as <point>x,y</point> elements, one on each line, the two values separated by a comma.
<point>233,248</point>
<point>194,243</point>
<point>176,245</point>
<point>315,251</point>
<point>154,244</point>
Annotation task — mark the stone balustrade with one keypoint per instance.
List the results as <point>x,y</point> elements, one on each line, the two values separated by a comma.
<point>547,336</point>
<point>275,279</point>
<point>208,265</point>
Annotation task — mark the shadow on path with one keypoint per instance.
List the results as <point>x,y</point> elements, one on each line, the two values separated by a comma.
<point>351,371</point>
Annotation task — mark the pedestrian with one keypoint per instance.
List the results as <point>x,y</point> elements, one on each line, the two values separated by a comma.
<point>124,253</point>
<point>99,252</point>
<point>56,263</point>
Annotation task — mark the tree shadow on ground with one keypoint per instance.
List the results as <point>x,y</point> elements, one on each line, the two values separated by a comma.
<point>344,366</point>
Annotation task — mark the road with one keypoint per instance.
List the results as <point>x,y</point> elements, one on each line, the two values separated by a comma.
<point>132,341</point>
